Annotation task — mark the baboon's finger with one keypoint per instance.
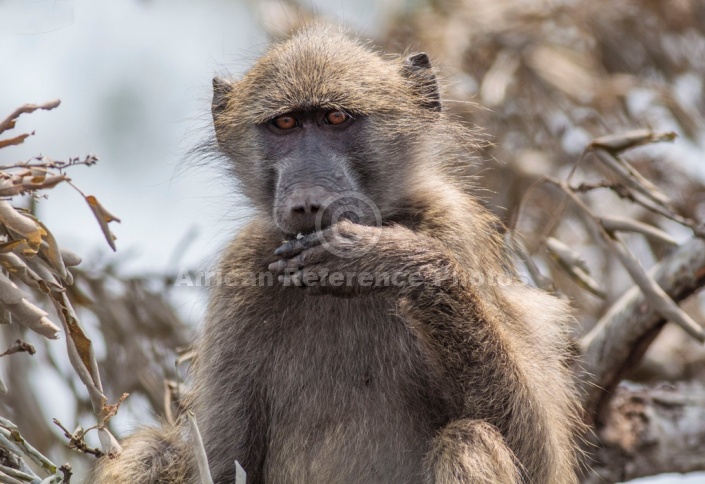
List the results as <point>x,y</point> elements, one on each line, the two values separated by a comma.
<point>278,266</point>
<point>295,246</point>
<point>303,259</point>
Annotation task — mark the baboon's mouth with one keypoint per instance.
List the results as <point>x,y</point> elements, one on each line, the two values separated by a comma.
<point>299,235</point>
<point>289,234</point>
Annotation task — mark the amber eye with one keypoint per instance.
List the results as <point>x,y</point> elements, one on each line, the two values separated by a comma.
<point>336,117</point>
<point>285,121</point>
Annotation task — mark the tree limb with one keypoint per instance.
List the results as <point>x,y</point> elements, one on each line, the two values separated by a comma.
<point>649,432</point>
<point>620,338</point>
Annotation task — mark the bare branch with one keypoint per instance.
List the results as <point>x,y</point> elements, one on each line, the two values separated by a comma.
<point>658,299</point>
<point>574,265</point>
<point>612,241</point>
<point>630,178</point>
<point>622,335</point>
<point>76,440</point>
<point>623,224</point>
<point>617,143</point>
<point>649,432</point>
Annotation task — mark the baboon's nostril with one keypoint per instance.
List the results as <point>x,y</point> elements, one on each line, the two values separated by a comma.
<point>305,201</point>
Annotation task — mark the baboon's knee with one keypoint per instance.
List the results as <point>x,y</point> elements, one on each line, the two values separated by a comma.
<point>471,452</point>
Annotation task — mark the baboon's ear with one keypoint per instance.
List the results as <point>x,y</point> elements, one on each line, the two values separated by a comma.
<point>417,68</point>
<point>221,89</point>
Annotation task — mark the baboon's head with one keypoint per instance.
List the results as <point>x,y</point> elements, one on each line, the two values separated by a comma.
<point>321,128</point>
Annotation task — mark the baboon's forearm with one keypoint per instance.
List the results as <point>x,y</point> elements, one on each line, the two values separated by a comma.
<point>459,329</point>
<point>466,342</point>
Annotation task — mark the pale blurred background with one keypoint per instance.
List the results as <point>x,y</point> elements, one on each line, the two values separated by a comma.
<point>134,81</point>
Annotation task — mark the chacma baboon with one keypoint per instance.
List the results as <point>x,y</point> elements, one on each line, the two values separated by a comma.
<point>392,345</point>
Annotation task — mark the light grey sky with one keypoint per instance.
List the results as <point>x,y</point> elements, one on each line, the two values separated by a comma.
<point>134,78</point>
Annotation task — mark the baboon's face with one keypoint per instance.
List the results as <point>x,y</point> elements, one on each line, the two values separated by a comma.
<point>321,129</point>
<point>314,156</point>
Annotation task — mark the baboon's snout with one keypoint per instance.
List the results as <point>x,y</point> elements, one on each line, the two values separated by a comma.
<point>302,207</point>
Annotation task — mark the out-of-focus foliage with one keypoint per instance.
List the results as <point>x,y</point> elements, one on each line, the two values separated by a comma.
<point>543,78</point>
<point>548,76</point>
<point>34,273</point>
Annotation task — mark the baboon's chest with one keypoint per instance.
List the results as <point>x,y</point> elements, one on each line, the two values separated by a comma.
<point>350,395</point>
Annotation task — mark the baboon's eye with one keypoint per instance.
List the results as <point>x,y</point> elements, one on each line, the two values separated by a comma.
<point>336,117</point>
<point>284,122</point>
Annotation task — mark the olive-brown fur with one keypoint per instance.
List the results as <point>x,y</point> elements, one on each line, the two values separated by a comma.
<point>457,381</point>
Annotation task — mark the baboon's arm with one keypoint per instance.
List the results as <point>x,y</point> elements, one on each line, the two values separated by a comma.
<point>485,354</point>
<point>433,294</point>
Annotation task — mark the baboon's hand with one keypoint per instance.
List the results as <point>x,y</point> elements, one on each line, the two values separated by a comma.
<point>346,259</point>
